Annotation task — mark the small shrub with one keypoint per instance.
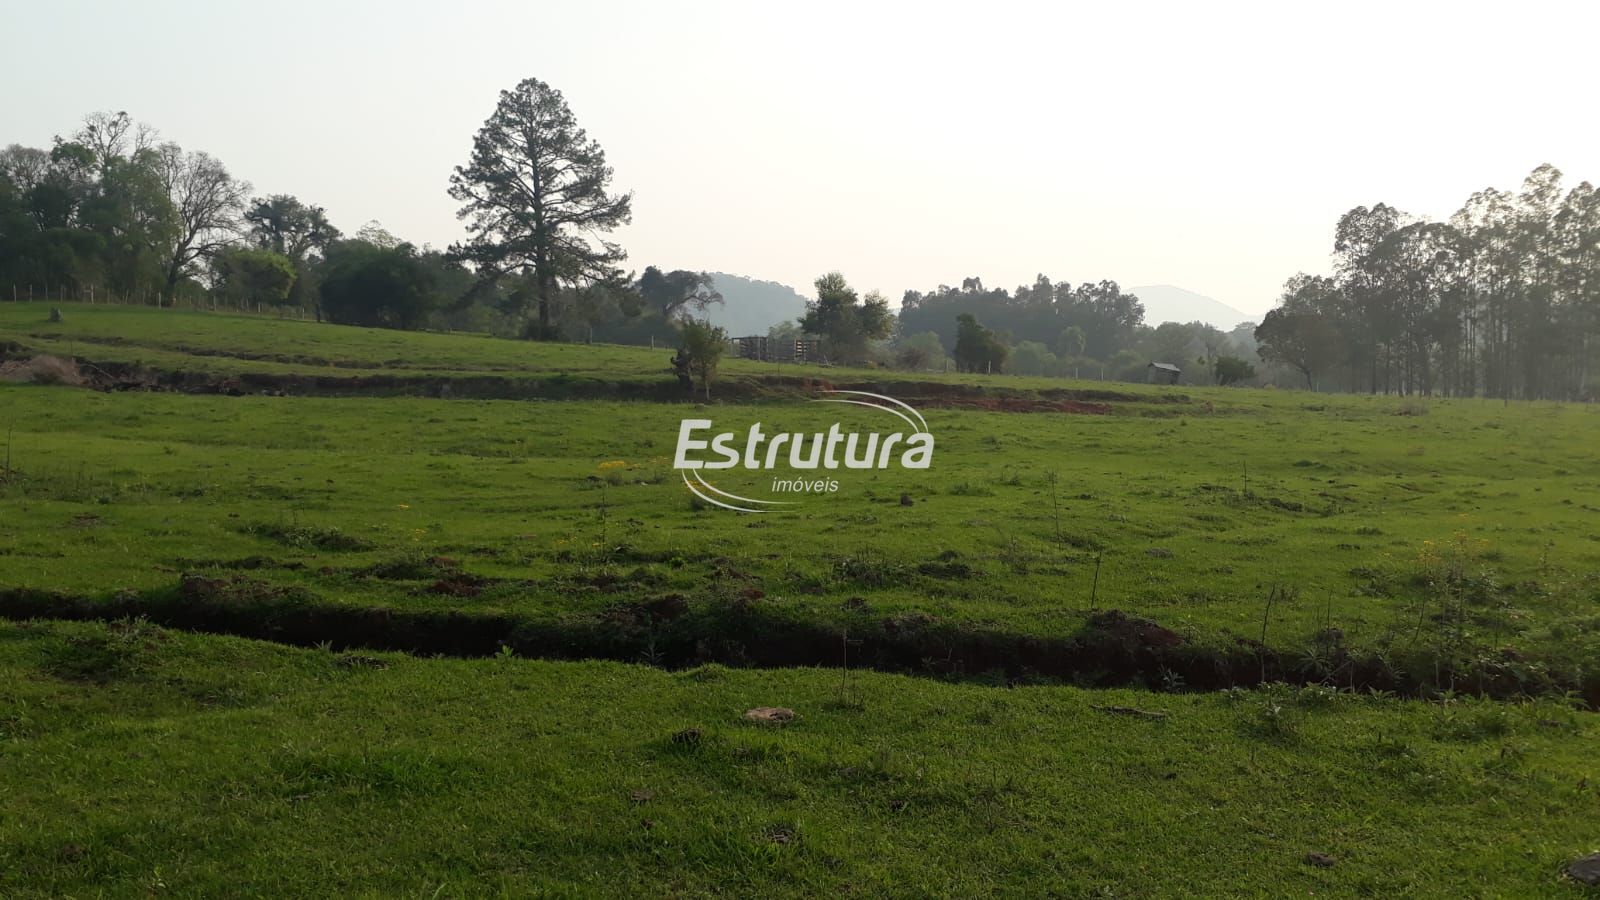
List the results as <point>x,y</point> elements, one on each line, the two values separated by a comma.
<point>1273,712</point>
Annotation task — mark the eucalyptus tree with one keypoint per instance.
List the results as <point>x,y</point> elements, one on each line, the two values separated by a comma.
<point>1356,239</point>
<point>1577,229</point>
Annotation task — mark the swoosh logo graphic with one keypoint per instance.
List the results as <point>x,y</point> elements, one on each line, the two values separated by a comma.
<point>705,490</point>
<point>921,425</point>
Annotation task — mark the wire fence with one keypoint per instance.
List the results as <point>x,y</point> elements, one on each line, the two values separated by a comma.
<point>100,295</point>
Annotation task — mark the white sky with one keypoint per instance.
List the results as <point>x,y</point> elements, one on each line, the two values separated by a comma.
<point>1210,146</point>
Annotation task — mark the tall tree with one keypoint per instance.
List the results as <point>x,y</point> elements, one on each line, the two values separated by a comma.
<point>977,348</point>
<point>1356,239</point>
<point>208,203</point>
<point>25,167</point>
<point>135,219</point>
<point>284,225</point>
<point>847,323</point>
<point>537,196</point>
<point>680,293</point>
<point>1577,226</point>
<point>1298,333</point>
<point>110,136</point>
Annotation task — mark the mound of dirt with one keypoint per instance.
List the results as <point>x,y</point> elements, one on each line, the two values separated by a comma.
<point>42,369</point>
<point>769,715</point>
<point>238,591</point>
<point>1131,632</point>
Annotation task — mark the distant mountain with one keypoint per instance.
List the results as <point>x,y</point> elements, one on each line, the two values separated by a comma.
<point>1166,303</point>
<point>750,306</point>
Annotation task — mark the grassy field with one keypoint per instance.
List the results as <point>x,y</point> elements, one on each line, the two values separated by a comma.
<point>1470,531</point>
<point>232,344</point>
<point>227,342</point>
<point>1436,548</point>
<point>140,761</point>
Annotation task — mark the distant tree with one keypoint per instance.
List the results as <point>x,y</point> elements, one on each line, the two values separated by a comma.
<point>207,202</point>
<point>375,234</point>
<point>133,215</point>
<point>24,167</point>
<point>1243,338</point>
<point>1071,341</point>
<point>1169,342</point>
<point>110,136</point>
<point>1298,333</point>
<point>250,275</point>
<point>785,331</point>
<point>594,305</point>
<point>1031,358</point>
<point>704,345</point>
<point>387,287</point>
<point>977,348</point>
<point>1107,319</point>
<point>911,357</point>
<point>1127,365</point>
<point>1232,370</point>
<point>920,352</point>
<point>679,293</point>
<point>845,322</point>
<point>1359,286</point>
<point>535,192</point>
<point>286,226</point>
<point>66,183</point>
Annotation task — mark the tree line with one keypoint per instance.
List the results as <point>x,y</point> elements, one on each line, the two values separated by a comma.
<point>1502,300</point>
<point>112,211</point>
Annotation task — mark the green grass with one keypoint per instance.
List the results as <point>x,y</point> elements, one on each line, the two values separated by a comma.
<point>1379,523</point>
<point>232,343</point>
<point>1448,546</point>
<point>135,760</point>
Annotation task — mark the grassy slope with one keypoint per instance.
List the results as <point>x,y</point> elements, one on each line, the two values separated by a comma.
<point>231,343</point>
<point>136,761</point>
<point>227,342</point>
<point>127,491</point>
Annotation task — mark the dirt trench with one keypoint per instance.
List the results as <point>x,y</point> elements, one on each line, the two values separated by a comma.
<point>1111,649</point>
<point>120,376</point>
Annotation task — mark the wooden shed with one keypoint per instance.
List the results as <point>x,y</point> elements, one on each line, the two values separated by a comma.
<point>1163,373</point>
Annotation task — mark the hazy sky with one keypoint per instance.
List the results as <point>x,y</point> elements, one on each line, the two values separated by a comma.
<point>1204,145</point>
